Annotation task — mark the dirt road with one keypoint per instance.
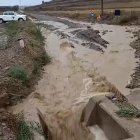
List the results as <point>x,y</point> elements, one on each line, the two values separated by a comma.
<point>68,83</point>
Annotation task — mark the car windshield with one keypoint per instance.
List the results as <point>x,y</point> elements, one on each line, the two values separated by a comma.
<point>10,13</point>
<point>5,13</point>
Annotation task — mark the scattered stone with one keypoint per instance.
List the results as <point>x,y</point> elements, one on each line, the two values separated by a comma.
<point>6,68</point>
<point>104,32</point>
<point>2,110</point>
<point>93,46</point>
<point>88,27</point>
<point>1,134</point>
<point>3,124</point>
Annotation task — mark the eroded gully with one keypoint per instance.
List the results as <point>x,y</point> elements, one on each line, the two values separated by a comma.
<point>66,86</point>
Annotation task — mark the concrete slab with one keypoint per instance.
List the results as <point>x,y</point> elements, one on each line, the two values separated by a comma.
<point>102,113</point>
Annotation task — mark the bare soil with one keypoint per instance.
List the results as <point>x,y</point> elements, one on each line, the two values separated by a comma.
<point>135,82</point>
<point>7,125</point>
<point>14,55</point>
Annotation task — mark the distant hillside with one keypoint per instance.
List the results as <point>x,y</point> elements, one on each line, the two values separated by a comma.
<point>84,4</point>
<point>8,8</point>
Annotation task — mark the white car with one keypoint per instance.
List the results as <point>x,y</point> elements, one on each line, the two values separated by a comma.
<point>12,16</point>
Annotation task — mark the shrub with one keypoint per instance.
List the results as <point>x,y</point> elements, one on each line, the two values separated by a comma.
<point>36,69</point>
<point>35,32</point>
<point>26,129</point>
<point>13,28</point>
<point>43,59</point>
<point>24,132</point>
<point>129,111</point>
<point>19,73</point>
<point>127,19</point>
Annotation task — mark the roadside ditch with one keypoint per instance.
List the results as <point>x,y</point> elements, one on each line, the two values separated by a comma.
<point>22,57</point>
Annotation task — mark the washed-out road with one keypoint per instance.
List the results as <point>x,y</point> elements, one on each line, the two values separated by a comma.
<point>79,51</point>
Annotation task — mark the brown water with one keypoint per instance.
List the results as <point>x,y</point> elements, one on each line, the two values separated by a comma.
<point>65,87</point>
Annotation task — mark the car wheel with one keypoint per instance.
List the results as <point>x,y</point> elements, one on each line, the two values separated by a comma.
<point>1,21</point>
<point>20,19</point>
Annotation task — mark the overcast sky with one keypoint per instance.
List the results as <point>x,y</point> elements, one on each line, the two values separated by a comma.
<point>17,2</point>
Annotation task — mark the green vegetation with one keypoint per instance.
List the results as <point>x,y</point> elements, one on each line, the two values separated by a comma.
<point>36,127</point>
<point>34,42</point>
<point>19,73</point>
<point>24,132</point>
<point>128,111</point>
<point>26,129</point>
<point>39,62</point>
<point>32,56</point>
<point>43,59</point>
<point>13,28</point>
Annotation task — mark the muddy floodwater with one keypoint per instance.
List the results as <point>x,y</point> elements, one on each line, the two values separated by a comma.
<point>66,87</point>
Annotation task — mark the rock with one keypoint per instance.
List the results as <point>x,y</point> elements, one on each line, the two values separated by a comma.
<point>3,124</point>
<point>4,118</point>
<point>88,27</point>
<point>2,110</point>
<point>6,68</point>
<point>1,134</point>
<point>72,46</point>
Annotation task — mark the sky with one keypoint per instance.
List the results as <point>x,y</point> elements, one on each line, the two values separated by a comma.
<point>17,2</point>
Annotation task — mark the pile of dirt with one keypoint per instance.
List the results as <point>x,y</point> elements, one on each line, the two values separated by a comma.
<point>135,82</point>
<point>93,37</point>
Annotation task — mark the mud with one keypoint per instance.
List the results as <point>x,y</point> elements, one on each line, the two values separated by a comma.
<point>92,36</point>
<point>50,18</point>
<point>93,46</point>
<point>73,77</point>
<point>135,82</point>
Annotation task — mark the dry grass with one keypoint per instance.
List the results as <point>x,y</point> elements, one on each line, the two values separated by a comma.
<point>85,5</point>
<point>128,15</point>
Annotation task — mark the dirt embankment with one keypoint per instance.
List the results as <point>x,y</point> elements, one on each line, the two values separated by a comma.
<point>135,82</point>
<point>84,5</point>
<point>91,36</point>
<point>22,57</point>
<point>20,60</point>
<point>128,16</point>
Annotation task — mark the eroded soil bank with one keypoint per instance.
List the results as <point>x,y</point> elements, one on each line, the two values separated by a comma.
<point>22,57</point>
<point>75,75</point>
